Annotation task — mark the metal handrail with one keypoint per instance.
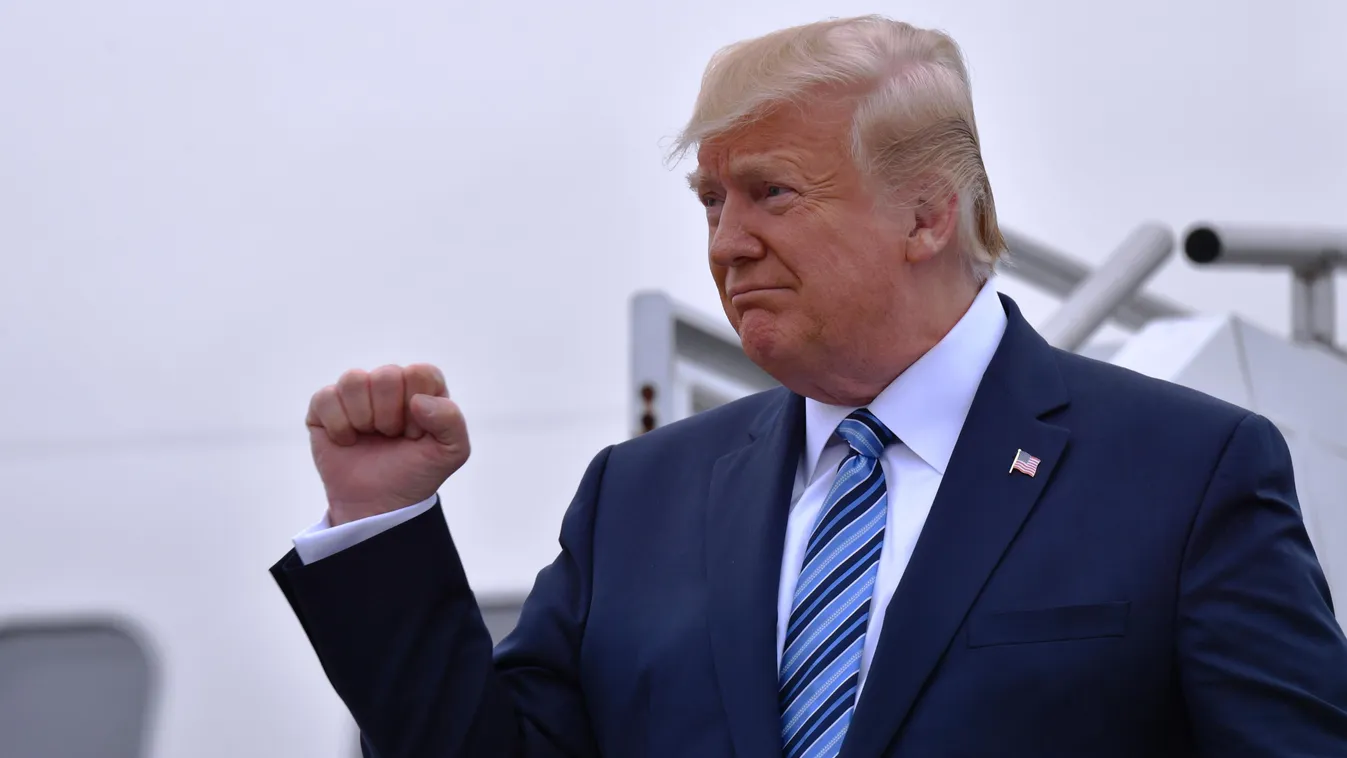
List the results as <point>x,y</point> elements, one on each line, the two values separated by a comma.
<point>1103,291</point>
<point>1311,255</point>
<point>1060,274</point>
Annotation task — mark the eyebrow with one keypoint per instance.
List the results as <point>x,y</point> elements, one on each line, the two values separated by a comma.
<point>746,170</point>
<point>696,180</point>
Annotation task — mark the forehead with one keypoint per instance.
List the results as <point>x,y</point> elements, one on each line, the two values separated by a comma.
<point>803,138</point>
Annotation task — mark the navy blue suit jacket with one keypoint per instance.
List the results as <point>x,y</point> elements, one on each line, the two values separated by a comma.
<point>1150,592</point>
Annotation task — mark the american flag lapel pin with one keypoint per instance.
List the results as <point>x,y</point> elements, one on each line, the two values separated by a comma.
<point>1024,463</point>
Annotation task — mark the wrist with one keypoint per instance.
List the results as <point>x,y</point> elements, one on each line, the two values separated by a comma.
<point>342,512</point>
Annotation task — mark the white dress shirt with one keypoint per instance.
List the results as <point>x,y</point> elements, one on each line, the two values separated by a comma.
<point>925,407</point>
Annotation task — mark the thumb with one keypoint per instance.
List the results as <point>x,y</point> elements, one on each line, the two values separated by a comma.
<point>441,418</point>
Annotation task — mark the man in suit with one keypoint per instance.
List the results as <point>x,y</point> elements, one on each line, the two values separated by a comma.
<point>941,536</point>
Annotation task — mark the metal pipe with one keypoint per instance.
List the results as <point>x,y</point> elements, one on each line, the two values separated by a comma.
<point>1312,255</point>
<point>1059,274</point>
<point>1313,310</point>
<point>1096,298</point>
<point>1297,249</point>
<point>652,361</point>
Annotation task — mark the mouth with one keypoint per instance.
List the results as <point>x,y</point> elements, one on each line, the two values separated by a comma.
<point>737,292</point>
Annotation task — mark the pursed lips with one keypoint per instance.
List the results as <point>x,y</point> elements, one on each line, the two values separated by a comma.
<point>740,289</point>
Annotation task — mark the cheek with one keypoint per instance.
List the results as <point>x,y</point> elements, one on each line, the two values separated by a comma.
<point>833,275</point>
<point>855,262</point>
<point>838,291</point>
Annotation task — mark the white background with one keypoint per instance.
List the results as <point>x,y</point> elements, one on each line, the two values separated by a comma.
<point>208,210</point>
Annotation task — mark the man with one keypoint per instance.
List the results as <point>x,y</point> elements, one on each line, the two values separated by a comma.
<point>941,537</point>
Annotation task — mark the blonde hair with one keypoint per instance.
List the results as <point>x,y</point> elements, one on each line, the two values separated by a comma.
<point>914,119</point>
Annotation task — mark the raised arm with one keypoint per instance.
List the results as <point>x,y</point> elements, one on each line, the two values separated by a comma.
<point>397,628</point>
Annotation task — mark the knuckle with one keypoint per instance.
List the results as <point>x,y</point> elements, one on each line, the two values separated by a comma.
<point>386,377</point>
<point>352,378</point>
<point>424,372</point>
<point>329,402</point>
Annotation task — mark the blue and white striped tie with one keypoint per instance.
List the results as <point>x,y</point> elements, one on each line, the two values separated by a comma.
<point>821,662</point>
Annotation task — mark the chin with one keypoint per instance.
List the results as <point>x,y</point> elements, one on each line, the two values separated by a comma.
<point>766,343</point>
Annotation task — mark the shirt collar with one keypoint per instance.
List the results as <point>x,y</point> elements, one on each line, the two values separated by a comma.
<point>927,404</point>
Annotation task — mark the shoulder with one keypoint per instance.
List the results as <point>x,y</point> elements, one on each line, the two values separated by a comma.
<point>1093,380</point>
<point>1119,400</point>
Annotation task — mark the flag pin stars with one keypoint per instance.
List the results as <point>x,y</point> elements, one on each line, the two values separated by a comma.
<point>1024,463</point>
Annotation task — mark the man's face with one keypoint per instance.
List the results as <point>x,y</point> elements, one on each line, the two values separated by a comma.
<point>808,266</point>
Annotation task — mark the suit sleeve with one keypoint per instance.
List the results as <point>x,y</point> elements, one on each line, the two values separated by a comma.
<point>1263,661</point>
<point>401,638</point>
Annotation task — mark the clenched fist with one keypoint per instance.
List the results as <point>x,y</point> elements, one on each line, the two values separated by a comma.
<point>385,439</point>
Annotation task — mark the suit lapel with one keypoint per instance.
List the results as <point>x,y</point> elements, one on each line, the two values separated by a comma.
<point>746,531</point>
<point>977,512</point>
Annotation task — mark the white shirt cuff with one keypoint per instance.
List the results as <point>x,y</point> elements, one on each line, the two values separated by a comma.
<point>323,540</point>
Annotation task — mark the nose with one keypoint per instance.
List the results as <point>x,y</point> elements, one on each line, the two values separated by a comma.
<point>733,242</point>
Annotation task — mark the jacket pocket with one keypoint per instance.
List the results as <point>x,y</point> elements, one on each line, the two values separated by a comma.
<point>1070,622</point>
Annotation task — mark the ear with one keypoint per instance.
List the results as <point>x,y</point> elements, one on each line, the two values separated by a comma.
<point>936,218</point>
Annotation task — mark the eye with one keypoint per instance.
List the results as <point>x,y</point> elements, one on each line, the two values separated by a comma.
<point>709,200</point>
<point>775,190</point>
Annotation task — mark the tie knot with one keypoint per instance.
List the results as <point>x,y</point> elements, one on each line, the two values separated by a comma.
<point>865,433</point>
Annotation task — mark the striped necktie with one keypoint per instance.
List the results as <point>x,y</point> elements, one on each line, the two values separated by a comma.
<point>821,661</point>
